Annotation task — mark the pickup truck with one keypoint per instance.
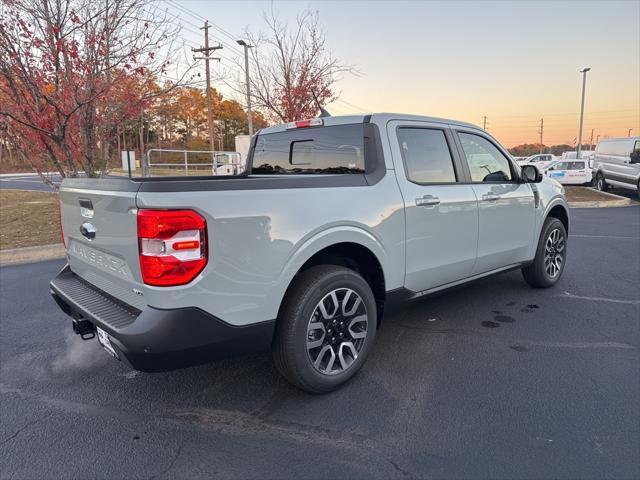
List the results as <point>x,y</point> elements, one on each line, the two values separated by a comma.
<point>539,160</point>
<point>336,221</point>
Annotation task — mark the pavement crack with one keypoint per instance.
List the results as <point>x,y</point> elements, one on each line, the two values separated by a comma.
<point>398,468</point>
<point>170,466</point>
<point>27,425</point>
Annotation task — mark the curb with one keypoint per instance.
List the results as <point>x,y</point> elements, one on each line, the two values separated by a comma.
<point>15,256</point>
<point>602,204</point>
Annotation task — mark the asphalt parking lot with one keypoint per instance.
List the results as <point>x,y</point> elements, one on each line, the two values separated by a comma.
<point>625,192</point>
<point>28,182</point>
<point>492,380</point>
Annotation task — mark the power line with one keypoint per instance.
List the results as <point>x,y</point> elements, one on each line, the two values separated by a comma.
<point>569,114</point>
<point>198,17</point>
<point>353,105</point>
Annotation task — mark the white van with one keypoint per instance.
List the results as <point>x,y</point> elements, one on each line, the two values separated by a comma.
<point>617,163</point>
<point>573,154</point>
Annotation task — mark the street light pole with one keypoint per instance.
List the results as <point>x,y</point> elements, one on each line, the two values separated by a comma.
<point>584,83</point>
<point>629,132</point>
<point>246,72</point>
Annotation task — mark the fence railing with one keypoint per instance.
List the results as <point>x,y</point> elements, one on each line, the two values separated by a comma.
<point>169,162</point>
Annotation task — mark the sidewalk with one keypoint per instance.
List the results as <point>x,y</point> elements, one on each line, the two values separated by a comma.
<point>31,174</point>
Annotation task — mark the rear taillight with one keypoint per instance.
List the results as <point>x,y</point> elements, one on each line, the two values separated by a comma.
<point>172,246</point>
<point>64,242</point>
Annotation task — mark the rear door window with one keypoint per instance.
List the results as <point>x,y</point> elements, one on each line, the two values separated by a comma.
<point>426,154</point>
<point>333,149</point>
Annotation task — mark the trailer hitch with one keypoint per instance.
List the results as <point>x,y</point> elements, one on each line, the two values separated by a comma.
<point>84,328</point>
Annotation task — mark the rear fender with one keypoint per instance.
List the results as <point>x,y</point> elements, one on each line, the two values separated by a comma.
<point>326,238</point>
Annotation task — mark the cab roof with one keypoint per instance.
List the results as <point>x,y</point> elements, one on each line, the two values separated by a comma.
<point>380,118</point>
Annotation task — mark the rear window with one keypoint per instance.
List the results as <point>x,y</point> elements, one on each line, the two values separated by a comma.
<point>335,149</point>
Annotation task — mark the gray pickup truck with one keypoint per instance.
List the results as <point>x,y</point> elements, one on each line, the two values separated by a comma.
<point>335,221</point>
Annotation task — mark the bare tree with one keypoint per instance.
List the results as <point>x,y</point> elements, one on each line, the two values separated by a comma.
<point>289,65</point>
<point>72,71</point>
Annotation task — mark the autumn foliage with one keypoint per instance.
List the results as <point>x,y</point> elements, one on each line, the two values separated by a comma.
<point>290,64</point>
<point>81,80</point>
<point>72,72</point>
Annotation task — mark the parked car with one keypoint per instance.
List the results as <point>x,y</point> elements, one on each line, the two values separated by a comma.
<point>617,163</point>
<point>539,160</point>
<point>584,155</point>
<point>336,221</point>
<point>572,172</point>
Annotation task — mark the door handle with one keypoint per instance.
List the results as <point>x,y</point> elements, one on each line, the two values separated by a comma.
<point>427,201</point>
<point>490,197</point>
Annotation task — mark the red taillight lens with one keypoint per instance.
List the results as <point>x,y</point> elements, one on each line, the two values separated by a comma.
<point>313,122</point>
<point>64,242</point>
<point>172,246</point>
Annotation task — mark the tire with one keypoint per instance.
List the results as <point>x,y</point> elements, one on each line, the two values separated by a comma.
<point>552,244</point>
<point>320,298</point>
<point>601,183</point>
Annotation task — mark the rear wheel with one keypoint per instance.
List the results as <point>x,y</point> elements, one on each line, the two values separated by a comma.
<point>601,183</point>
<point>551,253</point>
<point>326,328</point>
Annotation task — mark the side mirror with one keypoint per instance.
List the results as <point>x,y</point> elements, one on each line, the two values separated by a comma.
<point>530,174</point>
<point>635,157</point>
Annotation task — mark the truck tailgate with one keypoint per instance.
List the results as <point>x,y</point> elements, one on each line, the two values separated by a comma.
<point>100,229</point>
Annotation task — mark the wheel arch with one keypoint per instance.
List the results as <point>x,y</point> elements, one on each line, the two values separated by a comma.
<point>560,212</point>
<point>352,248</point>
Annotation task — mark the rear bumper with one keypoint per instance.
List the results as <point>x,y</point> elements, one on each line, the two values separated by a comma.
<point>154,340</point>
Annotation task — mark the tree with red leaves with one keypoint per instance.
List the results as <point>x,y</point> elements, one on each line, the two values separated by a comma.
<point>289,66</point>
<point>73,71</point>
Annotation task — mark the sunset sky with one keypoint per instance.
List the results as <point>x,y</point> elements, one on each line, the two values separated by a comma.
<point>513,61</point>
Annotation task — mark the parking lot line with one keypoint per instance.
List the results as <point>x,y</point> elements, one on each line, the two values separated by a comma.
<point>598,299</point>
<point>606,236</point>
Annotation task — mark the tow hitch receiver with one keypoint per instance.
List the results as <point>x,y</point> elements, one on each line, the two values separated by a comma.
<point>84,328</point>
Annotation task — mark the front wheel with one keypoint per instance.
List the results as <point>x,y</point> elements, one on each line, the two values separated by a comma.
<point>551,253</point>
<point>326,328</point>
<point>601,183</point>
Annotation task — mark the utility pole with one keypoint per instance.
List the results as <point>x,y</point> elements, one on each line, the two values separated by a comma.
<point>541,132</point>
<point>246,73</point>
<point>597,138</point>
<point>207,56</point>
<point>629,132</point>
<point>591,141</point>
<point>484,122</point>
<point>584,83</point>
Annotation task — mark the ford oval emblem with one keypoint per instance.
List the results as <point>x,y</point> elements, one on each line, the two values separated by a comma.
<point>88,230</point>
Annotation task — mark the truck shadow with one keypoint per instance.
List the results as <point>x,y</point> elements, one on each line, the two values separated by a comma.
<point>249,392</point>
